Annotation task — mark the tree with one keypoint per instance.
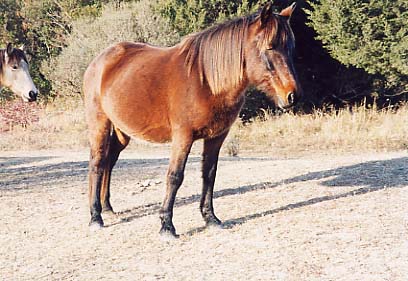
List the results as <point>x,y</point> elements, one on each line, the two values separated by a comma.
<point>368,34</point>
<point>187,16</point>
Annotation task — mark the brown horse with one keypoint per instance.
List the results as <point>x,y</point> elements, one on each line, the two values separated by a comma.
<point>193,90</point>
<point>14,73</point>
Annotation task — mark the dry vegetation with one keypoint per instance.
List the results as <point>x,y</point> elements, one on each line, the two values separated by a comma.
<point>134,22</point>
<point>358,129</point>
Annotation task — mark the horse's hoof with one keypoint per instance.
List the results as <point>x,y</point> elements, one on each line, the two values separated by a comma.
<point>168,236</point>
<point>168,233</point>
<point>214,226</point>
<point>95,226</point>
<point>213,222</point>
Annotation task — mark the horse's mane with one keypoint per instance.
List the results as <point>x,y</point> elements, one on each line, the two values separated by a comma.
<point>218,52</point>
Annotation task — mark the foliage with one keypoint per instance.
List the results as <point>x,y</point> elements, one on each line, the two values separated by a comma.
<point>372,35</point>
<point>126,22</point>
<point>188,16</point>
<point>10,19</point>
<point>42,26</point>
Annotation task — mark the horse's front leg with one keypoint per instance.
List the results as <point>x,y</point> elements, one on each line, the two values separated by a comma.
<point>181,146</point>
<point>209,168</point>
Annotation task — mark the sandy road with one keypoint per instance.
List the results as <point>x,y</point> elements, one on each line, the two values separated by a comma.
<point>308,218</point>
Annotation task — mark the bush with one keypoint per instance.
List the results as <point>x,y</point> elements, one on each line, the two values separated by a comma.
<point>42,26</point>
<point>187,16</point>
<point>126,22</point>
<point>371,35</point>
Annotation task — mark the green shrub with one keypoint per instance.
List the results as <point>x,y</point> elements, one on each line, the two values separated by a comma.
<point>11,21</point>
<point>372,35</point>
<point>187,16</point>
<point>127,22</point>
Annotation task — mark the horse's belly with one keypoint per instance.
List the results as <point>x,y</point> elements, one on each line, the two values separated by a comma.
<point>140,122</point>
<point>157,133</point>
<point>160,135</point>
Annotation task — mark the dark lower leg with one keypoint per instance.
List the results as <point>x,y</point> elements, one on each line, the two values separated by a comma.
<point>105,191</point>
<point>99,129</point>
<point>95,181</point>
<point>209,170</point>
<point>118,142</point>
<point>97,166</point>
<point>174,181</point>
<point>175,175</point>
<point>206,203</point>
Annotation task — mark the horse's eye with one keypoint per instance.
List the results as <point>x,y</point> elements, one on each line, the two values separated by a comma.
<point>14,67</point>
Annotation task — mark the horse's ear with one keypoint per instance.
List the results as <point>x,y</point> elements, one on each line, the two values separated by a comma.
<point>9,49</point>
<point>287,12</point>
<point>266,13</point>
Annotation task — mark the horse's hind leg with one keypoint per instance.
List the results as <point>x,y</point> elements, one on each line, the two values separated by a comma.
<point>209,170</point>
<point>117,142</point>
<point>99,133</point>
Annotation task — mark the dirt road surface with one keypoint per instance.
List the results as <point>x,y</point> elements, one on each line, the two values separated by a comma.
<point>308,218</point>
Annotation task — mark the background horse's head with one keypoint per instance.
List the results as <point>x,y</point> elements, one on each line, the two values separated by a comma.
<point>269,61</point>
<point>14,73</point>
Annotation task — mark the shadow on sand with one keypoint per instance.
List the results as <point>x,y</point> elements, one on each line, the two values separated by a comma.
<point>368,177</point>
<point>29,173</point>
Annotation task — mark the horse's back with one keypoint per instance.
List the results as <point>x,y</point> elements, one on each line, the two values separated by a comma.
<point>105,62</point>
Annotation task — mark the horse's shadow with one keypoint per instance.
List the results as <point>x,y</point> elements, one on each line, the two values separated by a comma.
<point>7,162</point>
<point>367,177</point>
<point>33,173</point>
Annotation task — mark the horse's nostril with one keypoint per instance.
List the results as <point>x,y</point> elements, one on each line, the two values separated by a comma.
<point>291,98</point>
<point>32,95</point>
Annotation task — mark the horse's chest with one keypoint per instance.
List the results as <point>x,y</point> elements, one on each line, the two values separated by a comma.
<point>219,121</point>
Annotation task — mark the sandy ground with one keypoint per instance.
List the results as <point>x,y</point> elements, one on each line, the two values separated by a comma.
<point>309,218</point>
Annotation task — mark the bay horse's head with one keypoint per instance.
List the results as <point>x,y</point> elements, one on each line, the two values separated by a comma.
<point>269,56</point>
<point>14,73</point>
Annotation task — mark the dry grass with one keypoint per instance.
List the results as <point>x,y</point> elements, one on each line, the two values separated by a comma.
<point>56,127</point>
<point>59,125</point>
<point>360,129</point>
